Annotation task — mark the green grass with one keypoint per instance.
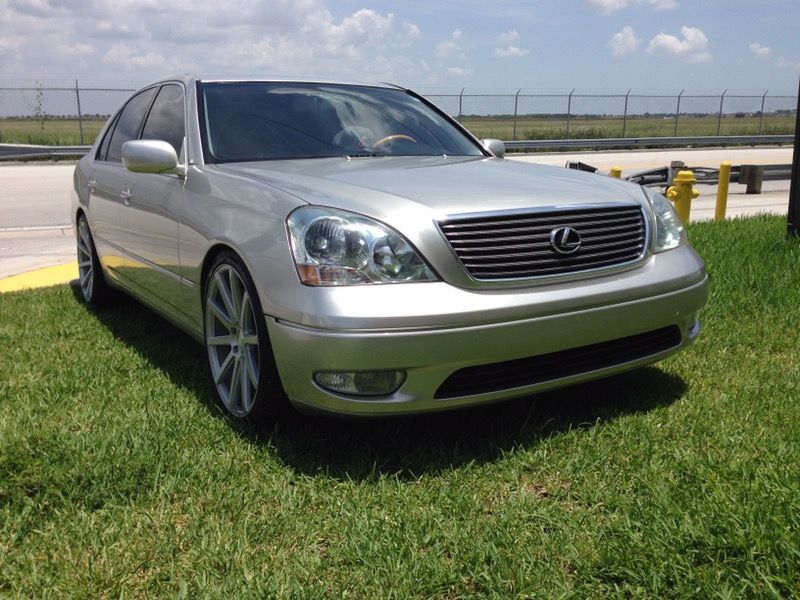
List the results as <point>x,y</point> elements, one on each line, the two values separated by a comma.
<point>50,131</point>
<point>611,127</point>
<point>120,478</point>
<point>57,131</point>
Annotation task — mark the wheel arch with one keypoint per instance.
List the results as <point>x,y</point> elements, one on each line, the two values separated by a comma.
<point>208,260</point>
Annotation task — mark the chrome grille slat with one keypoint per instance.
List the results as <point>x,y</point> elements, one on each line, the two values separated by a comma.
<point>476,261</point>
<point>518,246</point>
<point>540,229</point>
<point>546,234</point>
<point>473,254</point>
<point>536,218</point>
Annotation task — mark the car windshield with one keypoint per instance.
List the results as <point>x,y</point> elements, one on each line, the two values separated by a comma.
<point>246,121</point>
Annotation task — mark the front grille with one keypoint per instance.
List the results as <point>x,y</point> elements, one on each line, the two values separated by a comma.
<point>512,374</point>
<point>513,246</point>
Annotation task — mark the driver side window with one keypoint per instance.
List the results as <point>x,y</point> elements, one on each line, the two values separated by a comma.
<point>166,119</point>
<point>128,124</point>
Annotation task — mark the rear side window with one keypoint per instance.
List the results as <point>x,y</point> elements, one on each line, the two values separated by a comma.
<point>103,150</point>
<point>165,121</point>
<point>128,123</point>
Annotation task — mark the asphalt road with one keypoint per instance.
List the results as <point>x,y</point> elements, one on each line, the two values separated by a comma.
<point>35,229</point>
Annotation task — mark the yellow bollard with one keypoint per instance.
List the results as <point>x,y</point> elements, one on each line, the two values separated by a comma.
<point>682,192</point>
<point>722,190</point>
<point>616,172</point>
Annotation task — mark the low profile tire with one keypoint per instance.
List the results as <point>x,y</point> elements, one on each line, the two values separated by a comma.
<point>241,365</point>
<point>94,289</point>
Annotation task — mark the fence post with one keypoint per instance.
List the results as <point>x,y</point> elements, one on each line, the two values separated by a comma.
<point>460,101</point>
<point>677,113</point>
<point>569,109</point>
<point>80,115</point>
<point>625,114</point>
<point>516,104</point>
<point>761,118</point>
<point>793,218</point>
<point>719,117</point>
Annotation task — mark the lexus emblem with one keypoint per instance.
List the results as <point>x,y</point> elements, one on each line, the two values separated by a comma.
<point>565,240</point>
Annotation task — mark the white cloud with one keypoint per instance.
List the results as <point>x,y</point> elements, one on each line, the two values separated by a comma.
<point>122,55</point>
<point>624,42</point>
<point>759,50</point>
<point>9,48</point>
<point>785,63</point>
<point>35,8</point>
<point>76,50</point>
<point>151,38</point>
<point>693,48</point>
<point>411,30</point>
<point>661,4</point>
<point>511,52</point>
<point>450,48</point>
<point>458,71</point>
<point>509,37</point>
<point>610,6</point>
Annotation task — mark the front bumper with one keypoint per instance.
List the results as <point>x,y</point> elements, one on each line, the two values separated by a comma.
<point>429,355</point>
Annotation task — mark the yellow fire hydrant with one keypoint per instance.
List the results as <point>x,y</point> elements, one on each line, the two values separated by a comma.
<point>682,192</point>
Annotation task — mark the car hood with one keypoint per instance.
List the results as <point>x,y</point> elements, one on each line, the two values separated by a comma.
<point>381,187</point>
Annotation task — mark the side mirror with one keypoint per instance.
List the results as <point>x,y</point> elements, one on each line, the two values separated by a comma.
<point>496,147</point>
<point>151,156</point>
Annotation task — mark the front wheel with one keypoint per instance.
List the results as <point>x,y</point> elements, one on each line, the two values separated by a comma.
<point>241,365</point>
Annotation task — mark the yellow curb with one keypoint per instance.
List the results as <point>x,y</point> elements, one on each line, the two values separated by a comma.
<point>40,278</point>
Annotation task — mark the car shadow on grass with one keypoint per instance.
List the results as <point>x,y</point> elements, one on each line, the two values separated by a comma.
<point>405,447</point>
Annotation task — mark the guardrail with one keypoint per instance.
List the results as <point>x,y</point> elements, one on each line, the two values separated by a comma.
<point>27,151</point>
<point>750,175</point>
<point>643,142</point>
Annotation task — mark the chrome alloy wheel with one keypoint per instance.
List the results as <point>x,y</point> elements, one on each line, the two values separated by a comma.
<point>232,340</point>
<point>86,274</point>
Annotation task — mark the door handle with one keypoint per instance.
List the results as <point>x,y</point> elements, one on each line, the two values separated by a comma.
<point>91,185</point>
<point>126,196</point>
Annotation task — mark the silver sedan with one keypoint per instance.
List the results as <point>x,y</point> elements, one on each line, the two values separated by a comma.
<point>353,250</point>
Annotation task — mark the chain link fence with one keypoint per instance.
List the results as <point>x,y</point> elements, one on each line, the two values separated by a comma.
<point>526,115</point>
<point>73,112</point>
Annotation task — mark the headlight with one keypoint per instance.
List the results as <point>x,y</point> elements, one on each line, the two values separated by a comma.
<point>336,247</point>
<point>670,232</point>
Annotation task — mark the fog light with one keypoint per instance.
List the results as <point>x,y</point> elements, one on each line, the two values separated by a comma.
<point>361,383</point>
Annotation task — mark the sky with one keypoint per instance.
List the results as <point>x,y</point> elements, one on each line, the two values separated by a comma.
<point>647,45</point>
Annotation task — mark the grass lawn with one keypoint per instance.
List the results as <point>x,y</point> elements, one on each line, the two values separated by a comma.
<point>529,128</point>
<point>120,478</point>
<point>58,131</point>
<point>50,131</point>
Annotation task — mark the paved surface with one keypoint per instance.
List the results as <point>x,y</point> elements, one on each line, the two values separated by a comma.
<point>35,229</point>
<point>632,161</point>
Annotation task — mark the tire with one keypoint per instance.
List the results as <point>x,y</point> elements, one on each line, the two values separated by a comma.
<point>94,289</point>
<point>240,361</point>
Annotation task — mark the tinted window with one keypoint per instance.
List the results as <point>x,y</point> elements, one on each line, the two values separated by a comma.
<point>165,121</point>
<point>101,152</point>
<point>260,121</point>
<point>128,123</point>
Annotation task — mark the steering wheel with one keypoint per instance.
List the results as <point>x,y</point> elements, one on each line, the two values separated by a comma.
<point>393,137</point>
